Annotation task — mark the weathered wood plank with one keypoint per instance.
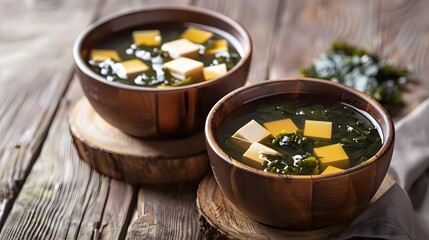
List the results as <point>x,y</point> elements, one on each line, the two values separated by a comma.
<point>35,69</point>
<point>63,198</point>
<point>404,35</point>
<point>162,211</point>
<point>260,20</point>
<point>66,207</point>
<point>397,30</point>
<point>115,6</point>
<point>166,212</point>
<point>307,28</point>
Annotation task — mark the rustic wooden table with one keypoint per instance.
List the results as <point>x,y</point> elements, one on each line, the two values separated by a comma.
<point>47,192</point>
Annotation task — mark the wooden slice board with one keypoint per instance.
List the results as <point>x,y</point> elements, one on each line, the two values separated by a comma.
<point>118,155</point>
<point>219,219</point>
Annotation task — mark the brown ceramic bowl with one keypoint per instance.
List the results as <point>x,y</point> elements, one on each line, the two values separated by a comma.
<point>290,201</point>
<point>151,112</point>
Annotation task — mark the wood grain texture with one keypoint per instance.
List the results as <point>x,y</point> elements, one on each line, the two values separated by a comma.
<point>298,203</point>
<point>118,155</point>
<point>307,28</point>
<point>63,197</point>
<point>166,212</point>
<point>404,35</point>
<point>164,114</point>
<point>397,30</point>
<point>219,219</point>
<point>162,211</point>
<point>53,203</point>
<point>115,6</point>
<point>32,81</point>
<point>260,20</point>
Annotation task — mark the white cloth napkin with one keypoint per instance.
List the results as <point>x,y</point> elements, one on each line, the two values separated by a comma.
<point>403,211</point>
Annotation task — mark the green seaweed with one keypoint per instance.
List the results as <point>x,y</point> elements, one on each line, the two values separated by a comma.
<point>364,71</point>
<point>296,165</point>
<point>155,57</point>
<point>360,140</point>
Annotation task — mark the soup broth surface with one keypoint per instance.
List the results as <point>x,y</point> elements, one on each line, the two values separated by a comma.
<point>154,57</point>
<point>352,130</point>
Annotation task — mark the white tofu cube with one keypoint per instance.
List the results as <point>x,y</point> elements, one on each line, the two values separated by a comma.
<point>99,55</point>
<point>214,71</point>
<point>183,68</point>
<point>181,48</point>
<point>150,38</point>
<point>252,132</point>
<point>254,155</point>
<point>129,67</point>
<point>243,144</point>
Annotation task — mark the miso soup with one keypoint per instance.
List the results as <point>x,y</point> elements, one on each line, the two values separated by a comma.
<point>302,135</point>
<point>164,55</point>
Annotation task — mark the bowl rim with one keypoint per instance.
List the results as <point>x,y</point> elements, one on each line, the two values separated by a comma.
<point>212,142</point>
<point>81,64</point>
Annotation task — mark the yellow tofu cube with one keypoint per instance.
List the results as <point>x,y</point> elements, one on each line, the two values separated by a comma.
<point>254,155</point>
<point>183,68</point>
<point>286,125</point>
<point>332,155</point>
<point>219,46</point>
<point>99,55</point>
<point>164,86</point>
<point>181,48</point>
<point>330,169</point>
<point>252,132</point>
<point>150,38</point>
<point>214,71</point>
<point>197,35</point>
<point>129,67</point>
<point>319,130</point>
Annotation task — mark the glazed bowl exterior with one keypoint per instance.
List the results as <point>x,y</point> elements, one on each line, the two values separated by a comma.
<point>290,201</point>
<point>154,113</point>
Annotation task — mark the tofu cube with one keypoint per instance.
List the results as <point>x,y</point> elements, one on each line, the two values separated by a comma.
<point>129,67</point>
<point>181,48</point>
<point>219,46</point>
<point>319,130</point>
<point>150,38</point>
<point>164,86</point>
<point>182,68</point>
<point>197,35</point>
<point>252,132</point>
<point>254,155</point>
<point>281,125</point>
<point>241,143</point>
<point>99,55</point>
<point>330,169</point>
<point>332,155</point>
<point>214,71</point>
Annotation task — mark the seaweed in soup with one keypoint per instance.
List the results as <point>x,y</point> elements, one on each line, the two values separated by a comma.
<point>355,132</point>
<point>153,71</point>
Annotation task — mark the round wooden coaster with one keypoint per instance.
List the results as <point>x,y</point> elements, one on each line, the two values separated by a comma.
<point>118,155</point>
<point>219,219</point>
